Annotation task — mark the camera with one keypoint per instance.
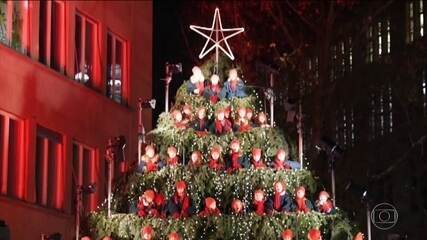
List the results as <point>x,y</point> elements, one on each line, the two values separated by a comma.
<point>172,68</point>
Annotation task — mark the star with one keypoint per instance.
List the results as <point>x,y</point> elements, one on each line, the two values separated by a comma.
<point>218,31</point>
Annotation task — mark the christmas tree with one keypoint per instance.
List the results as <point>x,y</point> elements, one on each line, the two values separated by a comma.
<point>216,169</point>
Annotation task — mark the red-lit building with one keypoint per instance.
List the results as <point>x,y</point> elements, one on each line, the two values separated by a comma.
<point>70,76</point>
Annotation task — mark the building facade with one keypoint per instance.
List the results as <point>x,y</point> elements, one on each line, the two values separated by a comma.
<point>71,76</point>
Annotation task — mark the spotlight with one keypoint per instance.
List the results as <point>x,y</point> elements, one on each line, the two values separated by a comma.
<point>150,103</point>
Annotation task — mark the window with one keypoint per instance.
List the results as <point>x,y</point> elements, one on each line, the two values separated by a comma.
<point>49,169</point>
<point>380,47</point>
<point>421,13</point>
<point>116,68</point>
<point>52,34</point>
<point>86,44</point>
<point>84,173</point>
<point>14,20</point>
<point>388,36</point>
<point>410,21</point>
<point>424,89</point>
<point>390,109</point>
<point>370,55</point>
<point>11,158</point>
<point>350,55</point>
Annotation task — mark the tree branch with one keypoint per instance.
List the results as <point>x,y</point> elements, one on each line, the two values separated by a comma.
<point>305,20</point>
<point>280,21</point>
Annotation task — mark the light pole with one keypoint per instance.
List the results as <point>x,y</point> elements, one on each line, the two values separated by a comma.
<point>170,69</point>
<point>141,129</point>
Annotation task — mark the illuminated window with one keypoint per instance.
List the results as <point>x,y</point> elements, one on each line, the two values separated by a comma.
<point>372,117</point>
<point>388,36</point>
<point>381,112</point>
<point>14,28</point>
<point>342,58</point>
<point>411,22</point>
<point>316,63</point>
<point>379,39</point>
<point>421,18</point>
<point>85,45</point>
<point>11,143</point>
<point>390,109</point>
<point>370,55</point>
<point>52,34</point>
<point>350,55</point>
<point>116,68</point>
<point>84,172</point>
<point>49,169</point>
<point>352,128</point>
<point>344,130</point>
<point>424,89</point>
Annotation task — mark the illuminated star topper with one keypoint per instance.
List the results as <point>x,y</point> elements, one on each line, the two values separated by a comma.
<point>220,36</point>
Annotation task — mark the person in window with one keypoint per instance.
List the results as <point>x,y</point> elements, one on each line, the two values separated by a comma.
<point>173,159</point>
<point>221,125</point>
<point>197,82</point>
<point>180,204</point>
<point>259,202</point>
<point>280,201</point>
<point>301,203</point>
<point>210,208</point>
<point>215,161</point>
<point>256,161</point>
<point>234,87</point>
<point>287,234</point>
<point>324,204</point>
<point>213,91</point>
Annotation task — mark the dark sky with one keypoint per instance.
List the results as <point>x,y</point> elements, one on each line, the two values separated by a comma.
<point>169,46</point>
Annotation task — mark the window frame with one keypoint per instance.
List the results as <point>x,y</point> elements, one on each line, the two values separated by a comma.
<point>124,70</point>
<point>24,40</point>
<point>94,79</point>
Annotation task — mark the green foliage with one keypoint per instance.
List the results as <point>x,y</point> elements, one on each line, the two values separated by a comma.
<point>203,182</point>
<point>125,226</point>
<point>268,139</point>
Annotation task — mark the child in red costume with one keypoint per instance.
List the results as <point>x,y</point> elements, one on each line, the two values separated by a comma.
<point>180,204</point>
<point>235,157</point>
<point>195,160</point>
<point>301,203</point>
<point>174,236</point>
<point>147,233</point>
<point>256,161</point>
<point>215,161</point>
<point>221,125</point>
<point>314,234</point>
<point>259,202</point>
<point>147,206</point>
<point>213,90</point>
<point>178,119</point>
<point>323,204</point>
<point>280,160</point>
<point>237,207</point>
<point>150,160</point>
<point>200,125</point>
<point>210,208</point>
<point>173,159</point>
<point>262,120</point>
<point>280,201</point>
<point>241,123</point>
<point>287,234</point>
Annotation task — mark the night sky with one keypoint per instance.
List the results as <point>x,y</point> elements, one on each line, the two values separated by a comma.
<point>169,46</point>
